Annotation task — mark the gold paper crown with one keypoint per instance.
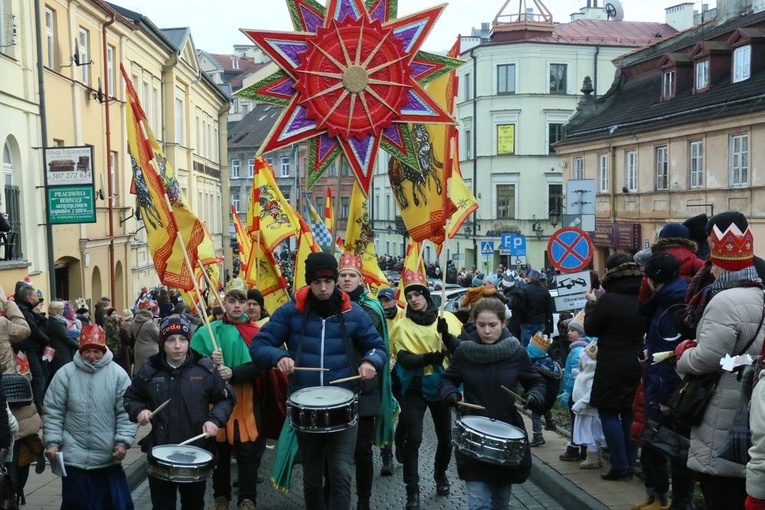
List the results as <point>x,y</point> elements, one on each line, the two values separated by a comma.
<point>236,284</point>
<point>411,278</point>
<point>541,341</point>
<point>352,262</point>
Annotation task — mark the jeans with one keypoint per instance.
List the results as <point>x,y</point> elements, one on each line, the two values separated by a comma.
<point>413,413</point>
<point>486,496</point>
<point>96,489</point>
<point>656,471</point>
<point>722,491</point>
<point>248,455</point>
<point>536,421</point>
<point>528,331</point>
<point>163,494</point>
<point>616,429</point>
<point>337,448</point>
<point>363,457</point>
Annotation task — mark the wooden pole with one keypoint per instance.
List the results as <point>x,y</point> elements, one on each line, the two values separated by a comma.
<point>210,284</point>
<point>196,285</point>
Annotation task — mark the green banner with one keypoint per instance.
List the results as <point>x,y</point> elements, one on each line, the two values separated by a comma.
<point>71,204</point>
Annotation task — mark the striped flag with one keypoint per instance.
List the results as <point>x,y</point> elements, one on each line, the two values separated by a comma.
<point>242,240</point>
<point>329,212</point>
<point>319,229</point>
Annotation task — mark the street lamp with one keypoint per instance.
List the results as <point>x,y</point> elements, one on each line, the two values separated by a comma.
<point>554,217</point>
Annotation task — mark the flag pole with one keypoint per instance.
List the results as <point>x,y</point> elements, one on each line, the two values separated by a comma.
<point>196,284</point>
<point>210,283</point>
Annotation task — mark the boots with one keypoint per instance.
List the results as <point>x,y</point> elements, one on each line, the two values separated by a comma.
<point>592,461</point>
<point>550,424</point>
<point>412,499</point>
<point>645,503</point>
<point>387,464</point>
<point>571,454</point>
<point>660,503</point>
<point>537,440</point>
<point>582,453</point>
<point>442,485</point>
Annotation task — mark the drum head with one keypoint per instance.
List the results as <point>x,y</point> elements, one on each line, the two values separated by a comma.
<point>181,455</point>
<point>490,427</point>
<point>322,396</point>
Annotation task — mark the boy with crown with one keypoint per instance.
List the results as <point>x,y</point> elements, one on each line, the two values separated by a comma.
<point>551,373</point>
<point>423,341</point>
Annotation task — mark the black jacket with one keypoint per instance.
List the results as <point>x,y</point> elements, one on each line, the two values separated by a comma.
<point>537,306</point>
<point>193,387</point>
<point>506,364</point>
<point>37,339</point>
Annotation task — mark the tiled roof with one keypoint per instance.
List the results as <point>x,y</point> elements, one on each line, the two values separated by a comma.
<point>251,131</point>
<point>592,32</point>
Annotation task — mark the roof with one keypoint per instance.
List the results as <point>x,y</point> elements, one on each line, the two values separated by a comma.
<point>178,36</point>
<point>235,75</point>
<point>250,132</point>
<point>151,28</point>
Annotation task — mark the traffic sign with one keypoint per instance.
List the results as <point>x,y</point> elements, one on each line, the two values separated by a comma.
<point>573,283</point>
<point>487,248</point>
<point>570,250</point>
<point>513,244</point>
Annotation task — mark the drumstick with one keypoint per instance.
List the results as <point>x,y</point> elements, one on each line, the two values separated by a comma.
<point>345,379</point>
<point>514,394</point>
<point>159,408</point>
<point>471,406</point>
<point>311,369</point>
<point>200,436</point>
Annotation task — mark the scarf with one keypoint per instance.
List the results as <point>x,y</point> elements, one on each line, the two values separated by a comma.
<point>746,277</point>
<point>425,317</point>
<point>247,329</point>
<point>324,308</point>
<point>480,353</point>
<point>229,340</point>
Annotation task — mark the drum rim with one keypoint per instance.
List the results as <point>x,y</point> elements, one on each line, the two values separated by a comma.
<point>193,448</point>
<point>483,419</point>
<point>350,396</point>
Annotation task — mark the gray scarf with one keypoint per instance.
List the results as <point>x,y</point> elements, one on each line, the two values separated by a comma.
<point>477,352</point>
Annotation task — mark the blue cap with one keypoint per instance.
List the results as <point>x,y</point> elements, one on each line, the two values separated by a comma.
<point>387,293</point>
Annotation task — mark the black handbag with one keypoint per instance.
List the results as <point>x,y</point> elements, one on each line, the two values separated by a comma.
<point>17,389</point>
<point>8,499</point>
<point>666,440</point>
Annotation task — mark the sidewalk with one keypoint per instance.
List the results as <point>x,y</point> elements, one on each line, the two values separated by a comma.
<point>43,492</point>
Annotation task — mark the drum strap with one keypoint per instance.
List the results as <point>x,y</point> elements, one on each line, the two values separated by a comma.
<point>353,361</point>
<point>299,349</point>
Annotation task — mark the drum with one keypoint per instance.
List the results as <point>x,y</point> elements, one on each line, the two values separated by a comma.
<point>323,409</point>
<point>491,441</point>
<point>181,464</point>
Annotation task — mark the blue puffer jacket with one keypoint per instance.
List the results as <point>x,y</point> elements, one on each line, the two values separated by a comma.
<point>322,339</point>
<point>572,363</point>
<point>661,379</point>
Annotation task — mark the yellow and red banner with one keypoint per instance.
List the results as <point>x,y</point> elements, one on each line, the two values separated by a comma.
<point>243,241</point>
<point>329,212</point>
<point>359,240</point>
<point>270,218</point>
<point>306,245</point>
<point>264,273</point>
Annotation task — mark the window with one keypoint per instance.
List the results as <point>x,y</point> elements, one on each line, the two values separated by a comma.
<point>603,184</point>
<point>235,201</point>
<point>50,38</point>
<point>506,139</point>
<point>506,79</point>
<point>739,159</point>
<point>250,168</point>
<point>696,157</point>
<point>285,167</point>
<point>662,168</point>
<point>345,203</point>
<point>668,89</point>
<point>110,71</point>
<point>270,163</point>
<point>554,135</point>
<point>505,201</point>
<point>346,168</point>
<point>558,78</point>
<point>84,56</point>
<point>579,167</point>
<point>742,58</point>
<point>555,198</point>
<point>702,75</point>
<point>154,109</point>
<point>179,121</point>
<point>468,144</point>
<point>332,170</point>
<point>320,205</point>
<point>466,84</point>
<point>235,164</point>
<point>630,171</point>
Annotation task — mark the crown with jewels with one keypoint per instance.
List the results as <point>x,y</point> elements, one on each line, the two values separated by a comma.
<point>350,261</point>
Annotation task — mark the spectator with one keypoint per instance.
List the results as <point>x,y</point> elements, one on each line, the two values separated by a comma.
<point>145,333</point>
<point>27,299</point>
<point>60,340</point>
<point>535,308</point>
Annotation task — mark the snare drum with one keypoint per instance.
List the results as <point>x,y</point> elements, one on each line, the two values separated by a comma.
<point>181,464</point>
<point>322,409</point>
<point>491,441</point>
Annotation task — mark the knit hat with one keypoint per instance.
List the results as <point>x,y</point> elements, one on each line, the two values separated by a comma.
<point>92,336</point>
<point>174,325</point>
<point>478,280</point>
<point>731,249</point>
<point>674,230</point>
<point>538,346</point>
<point>256,295</point>
<point>577,324</point>
<point>320,265</point>
<point>642,256</point>
<point>350,262</point>
<point>662,267</point>
<point>68,311</point>
<point>493,278</point>
<point>725,219</point>
<point>697,227</point>
<point>386,293</point>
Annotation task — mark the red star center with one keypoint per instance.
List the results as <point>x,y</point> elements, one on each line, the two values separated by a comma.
<point>354,78</point>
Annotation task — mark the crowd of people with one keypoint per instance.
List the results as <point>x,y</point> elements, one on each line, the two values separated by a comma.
<point>225,382</point>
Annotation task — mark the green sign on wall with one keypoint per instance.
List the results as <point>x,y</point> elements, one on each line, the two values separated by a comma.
<point>71,204</point>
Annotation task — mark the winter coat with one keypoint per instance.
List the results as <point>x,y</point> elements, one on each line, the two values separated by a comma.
<point>582,393</point>
<point>615,321</point>
<point>755,470</point>
<point>13,329</point>
<point>37,339</point>
<point>84,414</point>
<point>321,341</point>
<point>551,373</point>
<point>482,381</point>
<point>146,337</point>
<point>193,388</point>
<point>728,323</point>
<point>61,341</point>
<point>571,370</point>
<point>661,379</point>
<point>685,253</point>
<point>537,307</point>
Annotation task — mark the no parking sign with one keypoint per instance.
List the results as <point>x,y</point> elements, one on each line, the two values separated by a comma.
<point>570,249</point>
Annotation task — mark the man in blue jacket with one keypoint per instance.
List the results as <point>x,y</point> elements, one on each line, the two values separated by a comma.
<point>323,329</point>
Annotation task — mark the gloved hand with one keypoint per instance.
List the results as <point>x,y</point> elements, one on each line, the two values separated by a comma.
<point>684,346</point>
<point>578,407</point>
<point>442,327</point>
<point>433,358</point>
<point>452,399</point>
<point>753,503</point>
<point>533,402</point>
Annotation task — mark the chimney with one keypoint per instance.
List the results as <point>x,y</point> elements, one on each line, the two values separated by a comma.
<point>680,17</point>
<point>732,9</point>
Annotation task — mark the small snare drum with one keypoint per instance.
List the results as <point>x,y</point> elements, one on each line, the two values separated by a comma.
<point>491,441</point>
<point>322,409</point>
<point>181,464</point>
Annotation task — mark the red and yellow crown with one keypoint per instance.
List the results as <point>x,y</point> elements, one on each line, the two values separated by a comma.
<point>351,262</point>
<point>92,336</point>
<point>732,249</point>
<point>413,278</point>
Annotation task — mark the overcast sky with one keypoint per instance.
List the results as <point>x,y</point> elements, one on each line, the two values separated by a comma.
<point>215,24</point>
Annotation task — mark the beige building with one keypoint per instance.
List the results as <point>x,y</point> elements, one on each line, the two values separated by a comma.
<point>83,44</point>
<point>679,134</point>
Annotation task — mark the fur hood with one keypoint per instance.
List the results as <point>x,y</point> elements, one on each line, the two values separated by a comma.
<point>673,242</point>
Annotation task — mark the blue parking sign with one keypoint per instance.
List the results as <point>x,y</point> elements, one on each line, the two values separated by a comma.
<point>513,244</point>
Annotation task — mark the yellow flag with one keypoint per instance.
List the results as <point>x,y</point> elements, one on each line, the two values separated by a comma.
<point>359,240</point>
<point>243,241</point>
<point>306,245</point>
<point>270,218</point>
<point>263,273</point>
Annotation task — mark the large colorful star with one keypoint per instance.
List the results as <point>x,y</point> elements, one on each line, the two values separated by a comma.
<point>351,80</point>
